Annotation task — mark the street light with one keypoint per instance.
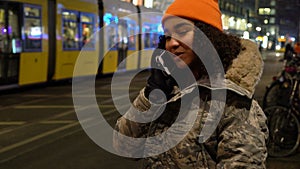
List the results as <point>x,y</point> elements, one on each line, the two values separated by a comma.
<point>249,25</point>
<point>258,29</point>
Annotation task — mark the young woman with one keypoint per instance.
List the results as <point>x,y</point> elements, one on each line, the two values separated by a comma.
<point>172,131</point>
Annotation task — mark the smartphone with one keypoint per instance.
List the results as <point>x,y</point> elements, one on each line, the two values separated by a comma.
<point>159,60</point>
<point>163,58</point>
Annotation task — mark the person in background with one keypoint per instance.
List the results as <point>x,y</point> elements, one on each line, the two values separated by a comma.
<point>297,48</point>
<point>288,53</point>
<point>239,138</point>
<point>260,46</point>
<point>86,33</point>
<point>68,36</point>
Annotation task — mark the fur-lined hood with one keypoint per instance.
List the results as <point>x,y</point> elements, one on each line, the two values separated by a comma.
<point>245,71</point>
<point>243,74</point>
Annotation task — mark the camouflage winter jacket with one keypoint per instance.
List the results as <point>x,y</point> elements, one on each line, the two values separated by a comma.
<point>211,132</point>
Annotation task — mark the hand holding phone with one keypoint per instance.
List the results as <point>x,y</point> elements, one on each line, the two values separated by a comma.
<point>159,79</point>
<point>165,60</point>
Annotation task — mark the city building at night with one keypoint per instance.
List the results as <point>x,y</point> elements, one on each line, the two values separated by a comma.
<point>269,29</point>
<point>280,21</point>
<point>239,17</point>
<point>271,23</point>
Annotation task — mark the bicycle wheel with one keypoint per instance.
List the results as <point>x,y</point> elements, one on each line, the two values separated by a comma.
<point>284,134</point>
<point>277,94</point>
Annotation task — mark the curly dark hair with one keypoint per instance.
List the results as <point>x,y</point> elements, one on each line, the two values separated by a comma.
<point>227,46</point>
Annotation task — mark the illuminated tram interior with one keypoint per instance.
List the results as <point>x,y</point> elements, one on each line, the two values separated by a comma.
<point>43,41</point>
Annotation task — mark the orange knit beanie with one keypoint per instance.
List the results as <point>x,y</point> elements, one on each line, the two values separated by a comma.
<point>203,10</point>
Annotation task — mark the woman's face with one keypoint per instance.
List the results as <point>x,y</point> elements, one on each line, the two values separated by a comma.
<point>179,35</point>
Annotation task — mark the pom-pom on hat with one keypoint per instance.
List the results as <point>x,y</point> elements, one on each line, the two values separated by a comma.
<point>203,10</point>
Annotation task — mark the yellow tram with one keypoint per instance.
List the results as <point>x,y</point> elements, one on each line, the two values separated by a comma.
<point>41,41</point>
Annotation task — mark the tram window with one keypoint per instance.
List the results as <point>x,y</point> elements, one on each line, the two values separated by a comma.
<point>31,11</point>
<point>112,36</point>
<point>131,42</point>
<point>87,29</point>
<point>147,36</point>
<point>122,35</point>
<point>70,30</point>
<point>147,40</point>
<point>14,35</point>
<point>88,18</point>
<point>155,40</point>
<point>10,39</point>
<point>69,15</point>
<point>3,33</point>
<point>131,38</point>
<point>32,34</point>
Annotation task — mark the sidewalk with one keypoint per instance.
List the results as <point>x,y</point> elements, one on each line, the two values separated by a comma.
<point>266,53</point>
<point>272,59</point>
<point>291,162</point>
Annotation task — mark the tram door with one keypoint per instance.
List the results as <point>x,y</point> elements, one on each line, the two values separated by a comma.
<point>10,43</point>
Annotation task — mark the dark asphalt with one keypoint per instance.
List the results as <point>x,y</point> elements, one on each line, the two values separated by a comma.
<point>39,128</point>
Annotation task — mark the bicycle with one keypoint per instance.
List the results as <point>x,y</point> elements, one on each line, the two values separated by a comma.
<point>277,92</point>
<point>284,123</point>
<point>281,86</point>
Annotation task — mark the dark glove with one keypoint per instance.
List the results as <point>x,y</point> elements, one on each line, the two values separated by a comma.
<point>160,80</point>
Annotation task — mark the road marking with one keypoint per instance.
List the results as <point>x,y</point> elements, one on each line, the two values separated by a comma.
<point>36,146</point>
<point>90,95</point>
<point>35,122</point>
<point>58,122</point>
<point>43,106</point>
<point>5,123</point>
<point>26,102</point>
<point>39,136</point>
<point>54,106</point>
<point>125,88</point>
<point>6,131</point>
<point>114,110</point>
<point>41,95</point>
<point>106,106</point>
<point>67,95</point>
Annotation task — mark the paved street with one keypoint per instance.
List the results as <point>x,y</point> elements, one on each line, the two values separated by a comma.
<point>39,128</point>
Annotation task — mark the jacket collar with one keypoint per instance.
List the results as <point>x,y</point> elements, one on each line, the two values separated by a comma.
<point>243,74</point>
